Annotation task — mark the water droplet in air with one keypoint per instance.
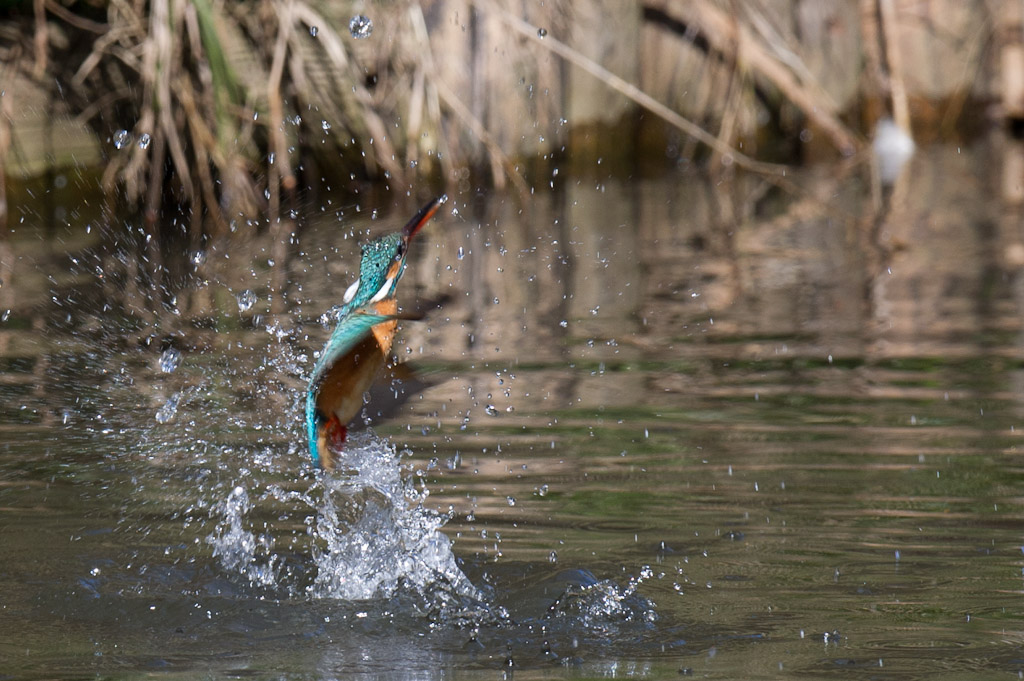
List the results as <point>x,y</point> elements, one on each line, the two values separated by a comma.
<point>325,125</point>
<point>511,501</point>
<point>543,490</point>
<point>542,32</point>
<point>169,360</point>
<point>491,410</point>
<point>170,408</point>
<point>360,26</point>
<point>461,253</point>
<point>564,323</point>
<point>553,557</point>
<point>144,140</point>
<point>246,299</point>
<point>122,138</point>
<point>313,31</point>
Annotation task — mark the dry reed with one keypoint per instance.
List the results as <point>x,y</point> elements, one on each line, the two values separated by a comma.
<point>230,104</point>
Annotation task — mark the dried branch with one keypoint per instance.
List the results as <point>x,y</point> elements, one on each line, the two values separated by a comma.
<point>900,108</point>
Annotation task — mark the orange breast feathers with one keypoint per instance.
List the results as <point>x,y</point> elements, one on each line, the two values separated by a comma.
<point>342,388</point>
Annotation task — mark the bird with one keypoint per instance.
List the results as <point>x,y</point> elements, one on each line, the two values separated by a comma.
<point>361,341</point>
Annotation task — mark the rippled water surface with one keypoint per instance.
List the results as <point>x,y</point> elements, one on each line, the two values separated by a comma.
<point>665,428</point>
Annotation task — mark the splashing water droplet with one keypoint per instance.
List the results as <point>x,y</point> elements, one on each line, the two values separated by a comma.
<point>144,140</point>
<point>122,138</point>
<point>165,413</point>
<point>246,299</point>
<point>325,125</point>
<point>313,30</point>
<point>491,410</point>
<point>360,26</point>
<point>511,501</point>
<point>169,360</point>
<point>239,549</point>
<point>461,253</point>
<point>542,32</point>
<point>553,557</point>
<point>386,545</point>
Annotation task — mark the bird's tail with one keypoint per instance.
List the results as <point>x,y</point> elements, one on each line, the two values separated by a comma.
<point>311,427</point>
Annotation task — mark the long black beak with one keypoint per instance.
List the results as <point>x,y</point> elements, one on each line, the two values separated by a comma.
<point>421,218</point>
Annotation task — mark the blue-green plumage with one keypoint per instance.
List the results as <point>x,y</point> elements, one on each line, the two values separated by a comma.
<point>360,342</point>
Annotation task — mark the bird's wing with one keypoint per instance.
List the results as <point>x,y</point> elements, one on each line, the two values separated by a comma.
<point>354,328</point>
<point>349,332</point>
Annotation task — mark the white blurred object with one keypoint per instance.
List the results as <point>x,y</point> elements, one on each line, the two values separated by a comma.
<point>893,147</point>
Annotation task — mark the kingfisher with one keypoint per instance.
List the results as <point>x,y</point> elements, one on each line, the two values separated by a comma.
<point>361,342</point>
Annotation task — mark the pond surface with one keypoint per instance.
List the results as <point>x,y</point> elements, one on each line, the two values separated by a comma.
<point>658,429</point>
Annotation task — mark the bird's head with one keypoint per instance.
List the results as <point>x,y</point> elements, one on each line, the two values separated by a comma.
<point>383,261</point>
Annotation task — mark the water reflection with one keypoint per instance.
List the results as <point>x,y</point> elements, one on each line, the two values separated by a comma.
<point>676,425</point>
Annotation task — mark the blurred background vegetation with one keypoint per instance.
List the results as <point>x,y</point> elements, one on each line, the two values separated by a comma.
<point>227,109</point>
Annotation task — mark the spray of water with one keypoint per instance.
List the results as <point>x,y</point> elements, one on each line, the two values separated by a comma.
<point>369,534</point>
<point>391,541</point>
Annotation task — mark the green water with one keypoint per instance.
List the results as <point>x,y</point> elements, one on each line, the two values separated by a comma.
<point>673,428</point>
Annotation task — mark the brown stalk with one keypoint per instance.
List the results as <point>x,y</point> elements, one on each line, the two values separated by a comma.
<point>5,144</point>
<point>900,108</point>
<point>430,80</point>
<point>156,173</point>
<point>99,51</point>
<point>414,118</point>
<point>203,139</point>
<point>161,36</point>
<point>279,147</point>
<point>58,10</point>
<point>41,41</point>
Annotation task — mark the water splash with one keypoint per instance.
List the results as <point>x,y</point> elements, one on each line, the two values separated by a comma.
<point>371,536</point>
<point>239,549</point>
<point>602,605</point>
